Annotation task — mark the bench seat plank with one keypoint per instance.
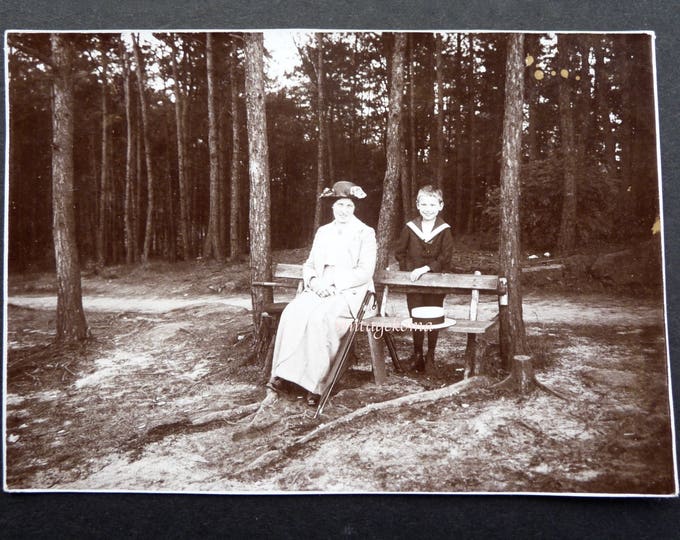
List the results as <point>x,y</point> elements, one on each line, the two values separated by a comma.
<point>463,326</point>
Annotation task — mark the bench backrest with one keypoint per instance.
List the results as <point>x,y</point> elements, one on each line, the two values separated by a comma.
<point>400,281</point>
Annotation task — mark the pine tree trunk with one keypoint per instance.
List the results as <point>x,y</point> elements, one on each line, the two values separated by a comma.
<point>181,164</point>
<point>234,221</point>
<point>566,239</point>
<point>513,337</point>
<point>128,210</point>
<point>413,151</point>
<point>260,207</point>
<point>211,247</point>
<point>330,129</point>
<point>404,179</point>
<point>137,220</point>
<point>471,171</point>
<point>461,176</point>
<point>353,136</point>
<point>104,210</point>
<point>388,208</point>
<point>222,176</point>
<point>169,221</point>
<point>71,324</point>
<point>321,124</point>
<point>439,164</point>
<point>148,233</point>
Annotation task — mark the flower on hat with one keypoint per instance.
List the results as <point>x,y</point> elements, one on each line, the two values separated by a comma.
<point>356,191</point>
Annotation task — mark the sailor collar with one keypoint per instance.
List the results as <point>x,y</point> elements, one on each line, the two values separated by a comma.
<point>427,237</point>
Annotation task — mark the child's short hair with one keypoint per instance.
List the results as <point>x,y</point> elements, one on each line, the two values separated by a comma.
<point>430,191</point>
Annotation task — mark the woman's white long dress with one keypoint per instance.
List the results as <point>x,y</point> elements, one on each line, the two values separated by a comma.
<point>311,327</point>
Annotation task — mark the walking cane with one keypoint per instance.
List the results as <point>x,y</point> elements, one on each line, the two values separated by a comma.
<point>343,353</point>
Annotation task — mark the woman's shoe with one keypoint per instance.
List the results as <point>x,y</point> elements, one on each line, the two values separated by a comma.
<point>275,384</point>
<point>313,399</point>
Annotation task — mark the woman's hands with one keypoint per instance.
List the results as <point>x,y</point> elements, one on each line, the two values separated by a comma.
<point>321,288</point>
<point>415,274</point>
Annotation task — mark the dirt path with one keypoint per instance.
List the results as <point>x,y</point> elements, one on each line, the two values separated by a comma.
<point>593,309</point>
<point>141,304</point>
<point>162,400</point>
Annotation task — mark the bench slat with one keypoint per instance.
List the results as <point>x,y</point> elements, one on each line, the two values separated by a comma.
<point>288,271</point>
<point>401,281</point>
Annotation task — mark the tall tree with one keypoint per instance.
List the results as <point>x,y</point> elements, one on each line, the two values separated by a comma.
<point>260,208</point>
<point>388,206</point>
<point>321,117</point>
<point>462,83</point>
<point>513,337</point>
<point>212,246</point>
<point>71,324</point>
<point>181,151</point>
<point>104,197</point>
<point>234,211</point>
<point>471,171</point>
<point>412,149</point>
<point>148,233</point>
<point>129,211</point>
<point>566,240</point>
<point>439,137</point>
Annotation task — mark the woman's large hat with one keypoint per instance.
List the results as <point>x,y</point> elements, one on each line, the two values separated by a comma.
<point>343,189</point>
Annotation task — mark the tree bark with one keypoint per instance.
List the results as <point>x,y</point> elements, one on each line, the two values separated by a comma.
<point>471,171</point>
<point>439,164</point>
<point>234,221</point>
<point>388,208</point>
<point>260,207</point>
<point>321,123</point>
<point>212,247</point>
<point>513,337</point>
<point>148,233</point>
<point>566,239</point>
<point>403,177</point>
<point>181,161</point>
<point>71,324</point>
<point>461,175</point>
<point>413,150</point>
<point>104,199</point>
<point>137,218</point>
<point>128,211</point>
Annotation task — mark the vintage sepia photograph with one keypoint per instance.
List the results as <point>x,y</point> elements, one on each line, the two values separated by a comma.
<point>325,261</point>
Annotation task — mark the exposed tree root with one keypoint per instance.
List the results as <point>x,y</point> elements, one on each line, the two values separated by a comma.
<point>226,416</point>
<point>272,456</point>
<point>546,388</point>
<point>263,417</point>
<point>522,379</point>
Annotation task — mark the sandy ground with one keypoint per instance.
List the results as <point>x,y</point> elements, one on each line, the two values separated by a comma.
<point>164,397</point>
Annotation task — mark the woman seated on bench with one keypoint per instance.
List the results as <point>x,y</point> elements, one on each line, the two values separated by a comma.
<point>336,276</point>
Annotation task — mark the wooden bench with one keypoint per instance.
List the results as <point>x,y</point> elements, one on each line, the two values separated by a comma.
<point>380,326</point>
<point>472,285</point>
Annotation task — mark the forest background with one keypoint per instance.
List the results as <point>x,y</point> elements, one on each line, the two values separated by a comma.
<point>633,16</point>
<point>169,188</point>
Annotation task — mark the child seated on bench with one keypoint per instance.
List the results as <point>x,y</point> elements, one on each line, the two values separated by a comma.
<point>425,245</point>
